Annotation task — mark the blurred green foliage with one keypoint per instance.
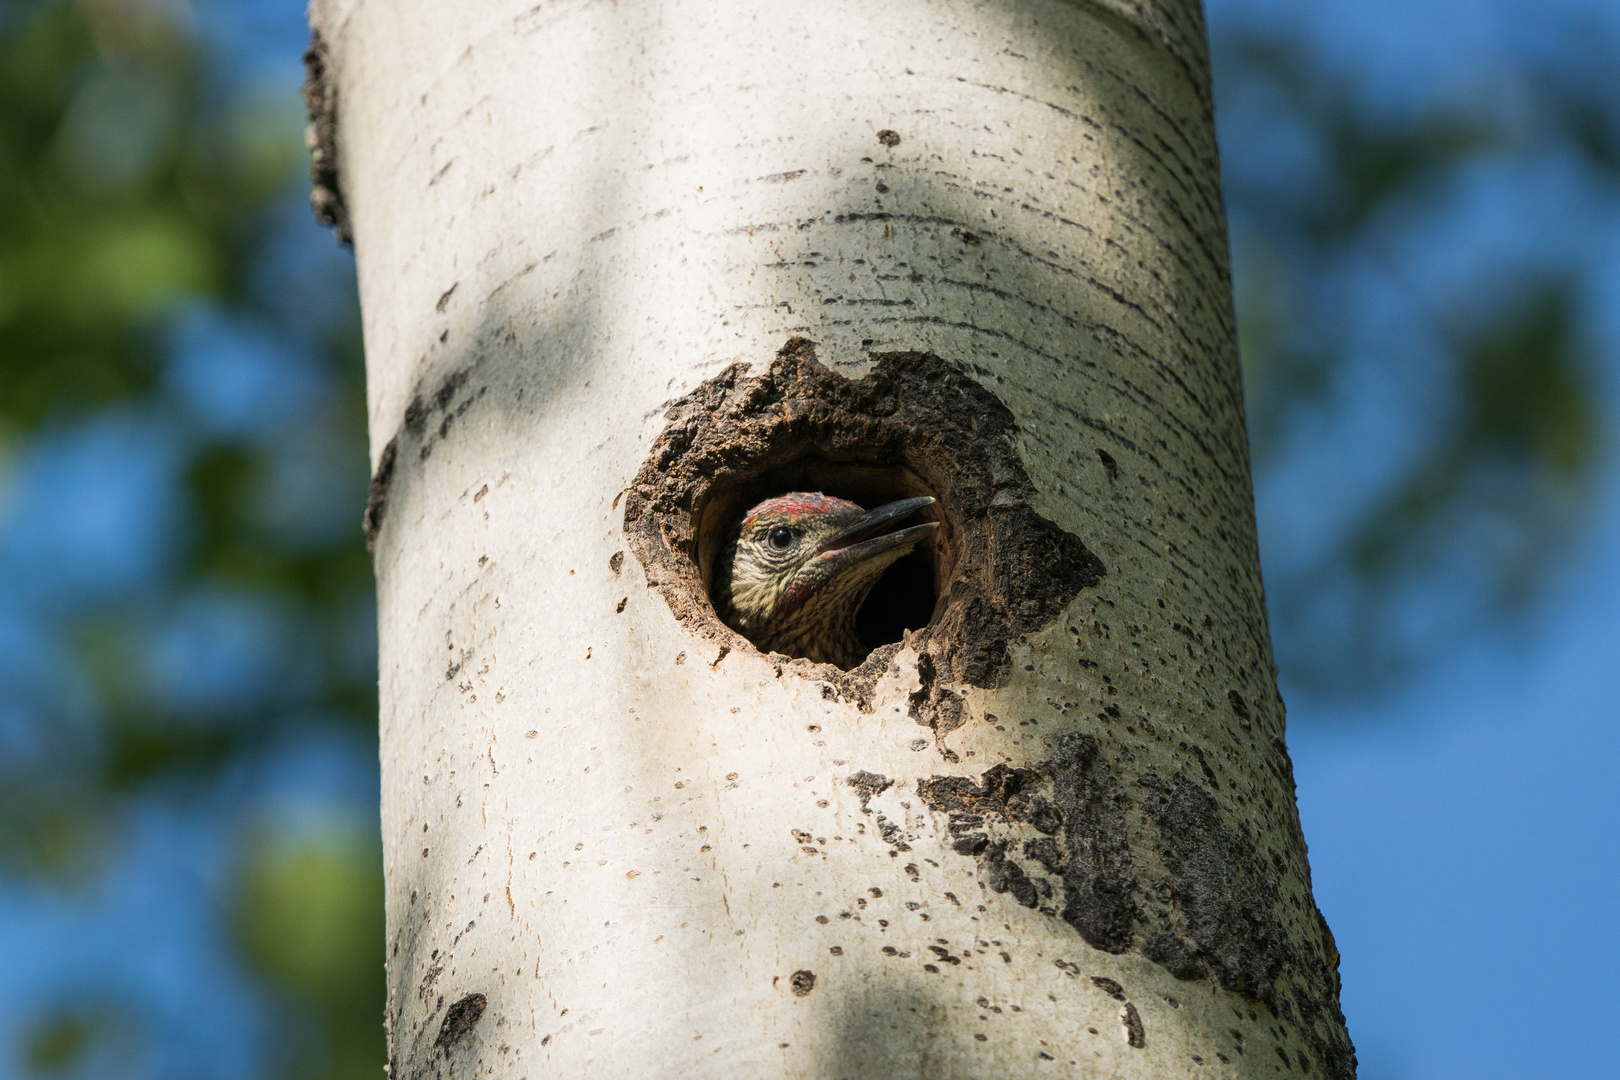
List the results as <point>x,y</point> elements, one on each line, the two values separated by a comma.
<point>83,1040</point>
<point>143,185</point>
<point>135,186</point>
<point>1525,418</point>
<point>1341,240</point>
<point>57,1044</point>
<point>310,916</point>
<point>128,189</point>
<point>1367,160</point>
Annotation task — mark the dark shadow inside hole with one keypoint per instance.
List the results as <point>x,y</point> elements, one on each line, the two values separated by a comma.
<point>903,599</point>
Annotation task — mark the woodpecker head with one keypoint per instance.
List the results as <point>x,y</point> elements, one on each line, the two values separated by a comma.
<point>797,568</point>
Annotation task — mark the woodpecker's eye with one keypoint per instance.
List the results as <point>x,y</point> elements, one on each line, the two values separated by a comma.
<point>780,539</point>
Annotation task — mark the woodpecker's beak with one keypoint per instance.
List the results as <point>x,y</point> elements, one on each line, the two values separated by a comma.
<point>871,536</point>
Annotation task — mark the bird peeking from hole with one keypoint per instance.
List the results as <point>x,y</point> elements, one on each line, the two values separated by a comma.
<point>797,568</point>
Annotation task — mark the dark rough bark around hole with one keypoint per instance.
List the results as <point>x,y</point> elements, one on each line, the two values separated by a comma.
<point>916,424</point>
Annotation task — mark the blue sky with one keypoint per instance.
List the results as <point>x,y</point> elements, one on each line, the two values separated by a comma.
<point>1462,839</point>
<point>1462,827</point>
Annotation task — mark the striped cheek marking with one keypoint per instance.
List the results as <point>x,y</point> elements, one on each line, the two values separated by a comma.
<point>800,504</point>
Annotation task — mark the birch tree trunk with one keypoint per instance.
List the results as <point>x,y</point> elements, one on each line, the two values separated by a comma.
<point>623,266</point>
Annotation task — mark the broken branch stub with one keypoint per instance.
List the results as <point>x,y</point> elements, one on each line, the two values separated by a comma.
<point>914,425</point>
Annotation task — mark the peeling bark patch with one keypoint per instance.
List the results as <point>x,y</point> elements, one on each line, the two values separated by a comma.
<point>1321,1021</point>
<point>1210,912</point>
<point>377,494</point>
<point>459,1021</point>
<point>1109,987</point>
<point>1079,807</point>
<point>892,834</point>
<point>934,706</point>
<point>1135,1034</point>
<point>1221,920</point>
<point>915,424</point>
<point>1005,876</point>
<point>867,785</point>
<point>320,103</point>
<point>1098,880</point>
<point>430,417</point>
<point>857,685</point>
<point>428,420</point>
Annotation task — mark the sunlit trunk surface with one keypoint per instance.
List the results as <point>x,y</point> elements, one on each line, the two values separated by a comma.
<point>1054,832</point>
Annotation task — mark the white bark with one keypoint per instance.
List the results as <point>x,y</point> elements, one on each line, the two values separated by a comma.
<point>567,214</point>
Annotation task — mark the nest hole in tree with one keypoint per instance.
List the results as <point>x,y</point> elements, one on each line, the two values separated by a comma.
<point>915,424</point>
<point>907,596</point>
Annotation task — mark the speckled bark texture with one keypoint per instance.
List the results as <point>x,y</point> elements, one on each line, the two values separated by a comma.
<point>623,262</point>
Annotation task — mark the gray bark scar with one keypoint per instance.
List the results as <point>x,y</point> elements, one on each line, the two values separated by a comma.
<point>1212,916</point>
